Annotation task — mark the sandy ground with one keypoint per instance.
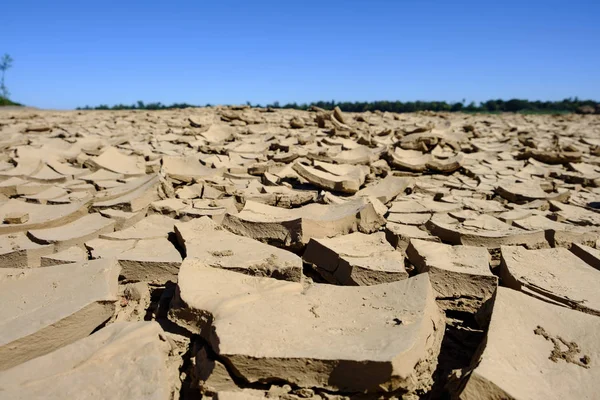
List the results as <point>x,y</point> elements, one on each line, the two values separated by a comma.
<point>238,253</point>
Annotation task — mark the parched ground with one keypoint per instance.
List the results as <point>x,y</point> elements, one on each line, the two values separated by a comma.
<point>240,253</point>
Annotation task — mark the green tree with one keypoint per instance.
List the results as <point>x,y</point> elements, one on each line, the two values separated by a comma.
<point>5,64</point>
<point>456,107</point>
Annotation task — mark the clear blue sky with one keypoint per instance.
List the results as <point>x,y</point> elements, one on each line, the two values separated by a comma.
<point>74,53</point>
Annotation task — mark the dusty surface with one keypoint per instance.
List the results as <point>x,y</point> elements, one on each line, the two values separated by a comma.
<point>298,255</point>
<point>535,350</point>
<point>128,360</point>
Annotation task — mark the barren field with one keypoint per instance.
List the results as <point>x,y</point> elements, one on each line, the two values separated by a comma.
<point>239,253</point>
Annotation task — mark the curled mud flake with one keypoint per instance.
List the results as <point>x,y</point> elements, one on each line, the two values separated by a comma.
<point>570,355</point>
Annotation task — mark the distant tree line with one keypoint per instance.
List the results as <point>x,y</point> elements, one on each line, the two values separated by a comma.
<point>570,105</point>
<point>140,105</point>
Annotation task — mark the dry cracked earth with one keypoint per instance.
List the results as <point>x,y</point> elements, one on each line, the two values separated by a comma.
<point>238,253</point>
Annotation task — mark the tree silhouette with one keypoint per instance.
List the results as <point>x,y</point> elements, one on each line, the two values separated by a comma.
<point>5,64</point>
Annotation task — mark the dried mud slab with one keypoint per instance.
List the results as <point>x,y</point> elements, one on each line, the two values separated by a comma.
<point>400,235</point>
<point>18,251</point>
<point>387,189</point>
<point>136,199</point>
<point>153,260</point>
<point>590,255</point>
<point>152,227</point>
<point>575,215</point>
<point>48,308</point>
<point>554,275</point>
<point>447,165</point>
<point>356,259</point>
<point>522,192</point>
<point>203,240</point>
<point>123,219</point>
<point>423,205</point>
<point>535,350</point>
<point>409,160</point>
<point>460,275</point>
<point>552,157</point>
<point>40,216</point>
<point>103,248</point>
<point>214,209</point>
<point>47,195</point>
<point>287,227</point>
<point>75,233</point>
<point>558,234</point>
<point>185,169</point>
<point>338,178</point>
<point>218,133</point>
<point>113,160</point>
<point>390,343</point>
<point>99,176</point>
<point>484,231</point>
<point>71,255</point>
<point>24,168</point>
<point>125,188</point>
<point>128,360</point>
